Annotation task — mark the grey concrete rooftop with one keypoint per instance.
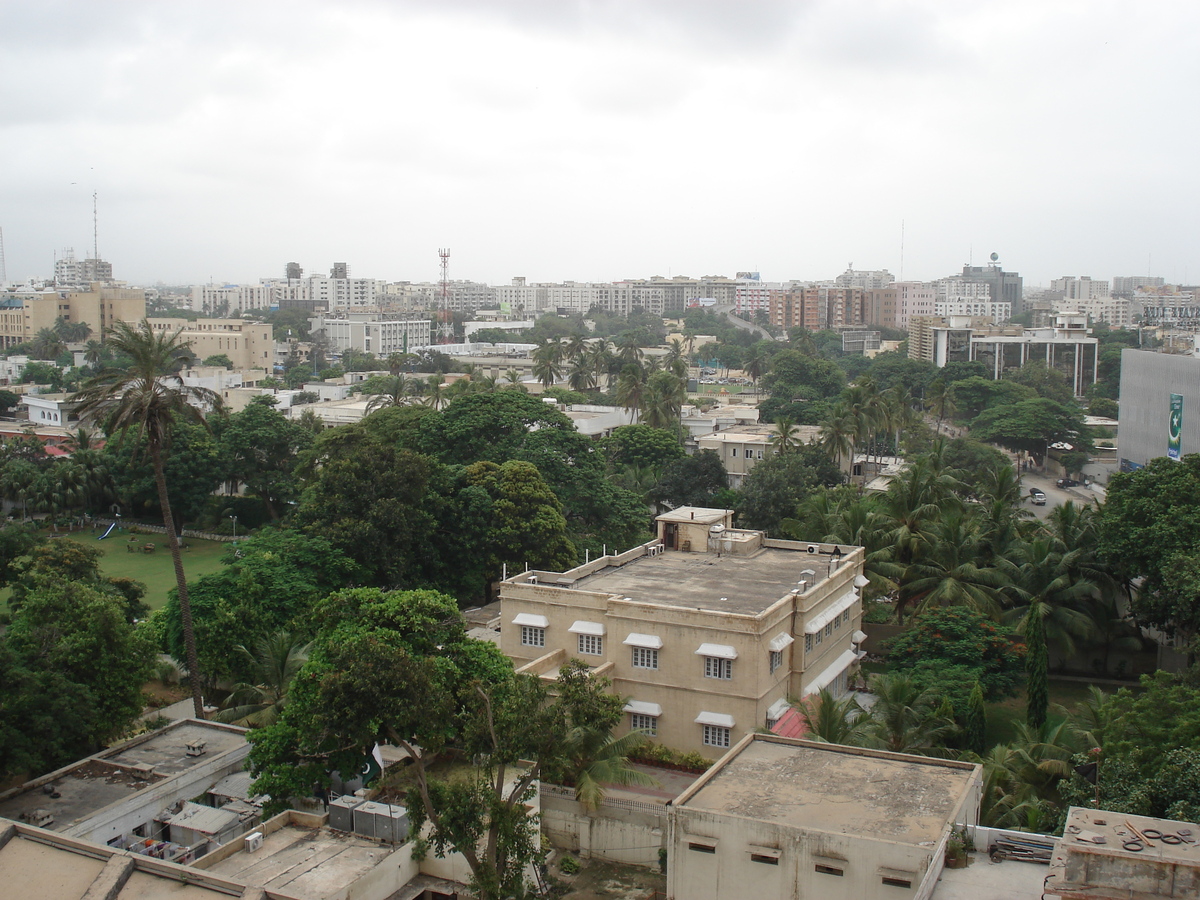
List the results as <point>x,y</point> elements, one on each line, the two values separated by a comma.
<point>306,863</point>
<point>92,784</point>
<point>834,789</point>
<point>729,583</point>
<point>987,880</point>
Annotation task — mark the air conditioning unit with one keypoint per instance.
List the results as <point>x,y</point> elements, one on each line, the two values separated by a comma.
<point>254,841</point>
<point>813,548</point>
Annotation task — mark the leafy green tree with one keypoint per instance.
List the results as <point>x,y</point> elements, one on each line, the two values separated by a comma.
<point>776,485</point>
<point>192,467</point>
<point>960,636</point>
<point>642,445</point>
<point>219,359</point>
<point>1050,384</point>
<point>399,667</point>
<point>36,372</point>
<point>269,583</point>
<point>975,725</point>
<point>1032,425</point>
<point>16,541</point>
<point>691,481</point>
<point>261,447</point>
<point>904,717</point>
<point>971,396</point>
<point>1148,530</point>
<point>149,398</point>
<point>69,561</point>
<point>795,375</point>
<point>8,401</point>
<point>526,525</point>
<point>75,631</point>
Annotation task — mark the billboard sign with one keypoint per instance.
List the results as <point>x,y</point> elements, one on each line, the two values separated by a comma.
<point>1175,427</point>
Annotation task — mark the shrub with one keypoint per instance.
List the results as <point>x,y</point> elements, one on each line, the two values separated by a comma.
<point>568,865</point>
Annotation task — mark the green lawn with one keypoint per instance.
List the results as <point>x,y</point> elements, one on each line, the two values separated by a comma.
<point>1003,717</point>
<point>153,569</point>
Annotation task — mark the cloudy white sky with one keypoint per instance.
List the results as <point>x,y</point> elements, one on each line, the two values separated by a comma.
<point>601,139</point>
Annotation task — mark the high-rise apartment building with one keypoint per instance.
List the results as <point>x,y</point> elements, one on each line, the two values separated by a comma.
<point>1081,288</point>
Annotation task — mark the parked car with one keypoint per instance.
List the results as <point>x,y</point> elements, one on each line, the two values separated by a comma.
<point>1037,497</point>
<point>1067,482</point>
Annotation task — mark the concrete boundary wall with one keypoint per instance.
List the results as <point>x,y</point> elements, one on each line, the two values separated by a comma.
<point>629,836</point>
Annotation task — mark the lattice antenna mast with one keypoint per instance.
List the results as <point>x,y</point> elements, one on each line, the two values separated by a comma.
<point>95,227</point>
<point>445,320</point>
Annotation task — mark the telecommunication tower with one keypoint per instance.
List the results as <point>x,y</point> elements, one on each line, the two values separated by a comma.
<point>445,328</point>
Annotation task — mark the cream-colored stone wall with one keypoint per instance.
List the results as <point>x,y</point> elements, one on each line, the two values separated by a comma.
<point>679,685</point>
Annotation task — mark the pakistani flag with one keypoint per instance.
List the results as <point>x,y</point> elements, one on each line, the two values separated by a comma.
<point>1175,427</point>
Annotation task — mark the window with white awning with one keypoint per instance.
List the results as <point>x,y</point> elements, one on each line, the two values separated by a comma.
<point>831,612</point>
<point>717,651</point>
<point>711,718</point>
<point>530,620</point>
<point>649,641</point>
<point>780,642</point>
<point>641,708</point>
<point>830,673</point>
<point>585,627</point>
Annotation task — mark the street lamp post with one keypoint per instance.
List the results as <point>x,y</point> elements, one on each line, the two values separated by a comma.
<point>234,527</point>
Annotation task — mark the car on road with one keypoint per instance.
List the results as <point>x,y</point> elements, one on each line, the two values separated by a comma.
<point>1066,483</point>
<point>1037,497</point>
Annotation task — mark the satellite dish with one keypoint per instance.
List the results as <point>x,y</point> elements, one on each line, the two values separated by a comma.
<point>995,256</point>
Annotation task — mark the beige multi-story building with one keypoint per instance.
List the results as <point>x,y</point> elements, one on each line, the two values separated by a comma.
<point>24,313</point>
<point>249,345</point>
<point>779,819</point>
<point>741,447</point>
<point>707,629</point>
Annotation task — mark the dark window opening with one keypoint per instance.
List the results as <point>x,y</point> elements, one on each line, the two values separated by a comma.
<point>897,882</point>
<point>829,870</point>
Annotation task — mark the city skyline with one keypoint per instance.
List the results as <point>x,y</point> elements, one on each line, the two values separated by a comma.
<point>598,142</point>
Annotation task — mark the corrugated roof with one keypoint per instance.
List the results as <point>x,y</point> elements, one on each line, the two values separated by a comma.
<point>235,785</point>
<point>790,724</point>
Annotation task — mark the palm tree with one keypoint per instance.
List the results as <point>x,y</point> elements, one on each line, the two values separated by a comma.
<point>939,399</point>
<point>757,364</point>
<point>904,718</point>
<point>946,571</point>
<point>601,358</point>
<point>148,397</point>
<point>838,433</point>
<point>631,387</point>
<point>396,392</point>
<point>546,363</point>
<point>47,345</point>
<point>786,437</point>
<point>93,353</point>
<point>275,662</point>
<point>834,721</point>
<point>663,401</point>
<point>595,758</point>
<point>582,376</point>
<point>435,398</point>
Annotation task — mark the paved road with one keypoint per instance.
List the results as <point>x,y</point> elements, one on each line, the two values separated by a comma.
<point>728,308</point>
<point>1055,496</point>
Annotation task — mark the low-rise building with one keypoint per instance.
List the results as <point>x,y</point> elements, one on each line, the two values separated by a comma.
<point>742,447</point>
<point>123,796</point>
<point>779,818</point>
<point>249,345</point>
<point>709,630</point>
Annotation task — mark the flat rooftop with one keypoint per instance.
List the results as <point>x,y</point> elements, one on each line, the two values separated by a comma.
<point>92,784</point>
<point>730,582</point>
<point>31,866</point>
<point>906,800</point>
<point>306,863</point>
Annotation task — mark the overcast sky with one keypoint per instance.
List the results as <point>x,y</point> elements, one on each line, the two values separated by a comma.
<point>603,139</point>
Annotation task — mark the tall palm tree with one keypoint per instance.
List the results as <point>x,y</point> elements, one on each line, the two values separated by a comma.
<point>786,437</point>
<point>631,387</point>
<point>582,376</point>
<point>93,353</point>
<point>275,661</point>
<point>663,401</point>
<point>601,358</point>
<point>757,364</point>
<point>838,433</point>
<point>547,359</point>
<point>148,397</point>
<point>939,399</point>
<point>435,397</point>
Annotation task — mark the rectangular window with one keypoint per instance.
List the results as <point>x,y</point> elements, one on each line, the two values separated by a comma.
<point>532,636</point>
<point>808,643</point>
<point>591,644</point>
<point>702,848</point>
<point>715,667</point>
<point>837,623</point>
<point>829,629</point>
<point>733,452</point>
<point>817,639</point>
<point>764,859</point>
<point>896,882</point>
<point>776,659</point>
<point>829,870</point>
<point>645,658</point>
<point>716,736</point>
<point>758,455</point>
<point>648,724</point>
